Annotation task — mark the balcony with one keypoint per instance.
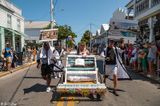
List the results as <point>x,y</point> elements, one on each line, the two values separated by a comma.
<point>141,7</point>
<point>146,8</point>
<point>155,2</point>
<point>7,4</point>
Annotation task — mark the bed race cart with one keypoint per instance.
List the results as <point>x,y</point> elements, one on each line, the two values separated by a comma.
<point>81,77</point>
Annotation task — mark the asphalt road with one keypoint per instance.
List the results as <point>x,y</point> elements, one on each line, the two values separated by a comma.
<point>27,88</point>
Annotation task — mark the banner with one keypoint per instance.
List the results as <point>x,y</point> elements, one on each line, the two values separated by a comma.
<point>48,35</point>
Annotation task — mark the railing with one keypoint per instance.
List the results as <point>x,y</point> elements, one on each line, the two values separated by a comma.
<point>141,7</point>
<point>155,2</point>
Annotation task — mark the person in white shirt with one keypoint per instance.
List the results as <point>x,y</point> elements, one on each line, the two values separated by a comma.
<point>46,57</point>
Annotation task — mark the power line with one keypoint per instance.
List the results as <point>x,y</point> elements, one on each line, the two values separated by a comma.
<point>82,28</point>
<point>55,3</point>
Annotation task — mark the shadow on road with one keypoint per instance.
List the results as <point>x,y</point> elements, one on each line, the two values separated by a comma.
<point>35,88</point>
<point>137,76</point>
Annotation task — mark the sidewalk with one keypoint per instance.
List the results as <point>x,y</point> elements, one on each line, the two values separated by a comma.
<point>4,73</point>
<point>154,78</point>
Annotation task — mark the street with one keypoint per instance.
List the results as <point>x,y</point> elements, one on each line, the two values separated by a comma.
<point>27,88</point>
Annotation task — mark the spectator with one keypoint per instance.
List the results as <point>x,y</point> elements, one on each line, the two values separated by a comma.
<point>34,53</point>
<point>7,55</point>
<point>14,59</point>
<point>144,58</point>
<point>140,56</point>
<point>130,49</point>
<point>134,57</point>
<point>158,57</point>
<point>151,58</point>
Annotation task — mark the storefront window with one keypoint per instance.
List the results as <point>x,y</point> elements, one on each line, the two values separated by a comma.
<point>18,25</point>
<point>8,37</point>
<point>18,43</point>
<point>9,21</point>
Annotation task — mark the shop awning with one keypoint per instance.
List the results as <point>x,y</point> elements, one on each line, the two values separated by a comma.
<point>14,31</point>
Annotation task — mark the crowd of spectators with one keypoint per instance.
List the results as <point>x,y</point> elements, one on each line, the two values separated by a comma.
<point>10,59</point>
<point>144,58</point>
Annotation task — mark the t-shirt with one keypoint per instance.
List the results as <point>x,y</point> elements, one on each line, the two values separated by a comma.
<point>7,52</point>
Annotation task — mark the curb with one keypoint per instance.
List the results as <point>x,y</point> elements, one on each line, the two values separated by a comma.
<point>16,69</point>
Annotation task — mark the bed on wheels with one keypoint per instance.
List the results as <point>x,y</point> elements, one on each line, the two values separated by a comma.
<point>81,76</point>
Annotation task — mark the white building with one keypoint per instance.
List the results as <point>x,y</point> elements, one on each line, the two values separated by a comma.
<point>101,35</point>
<point>32,29</point>
<point>121,26</point>
<point>147,12</point>
<point>11,26</point>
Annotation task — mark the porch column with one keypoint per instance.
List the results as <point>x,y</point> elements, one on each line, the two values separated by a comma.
<point>151,25</point>
<point>22,42</point>
<point>150,3</point>
<point>2,39</point>
<point>13,40</point>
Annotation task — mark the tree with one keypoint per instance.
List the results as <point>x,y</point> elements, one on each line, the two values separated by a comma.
<point>64,32</point>
<point>86,37</point>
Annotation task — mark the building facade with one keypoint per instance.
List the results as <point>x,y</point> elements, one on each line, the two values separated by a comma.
<point>32,30</point>
<point>11,26</point>
<point>147,12</point>
<point>101,35</point>
<point>99,41</point>
<point>122,26</point>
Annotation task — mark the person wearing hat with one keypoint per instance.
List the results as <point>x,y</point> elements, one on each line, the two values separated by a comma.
<point>113,64</point>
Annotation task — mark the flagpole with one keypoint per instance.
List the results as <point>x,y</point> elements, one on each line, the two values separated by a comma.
<point>51,13</point>
<point>52,17</point>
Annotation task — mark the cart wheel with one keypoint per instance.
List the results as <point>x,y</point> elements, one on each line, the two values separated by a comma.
<point>98,97</point>
<point>91,96</point>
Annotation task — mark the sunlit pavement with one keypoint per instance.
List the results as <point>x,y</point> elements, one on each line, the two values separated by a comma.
<point>27,88</point>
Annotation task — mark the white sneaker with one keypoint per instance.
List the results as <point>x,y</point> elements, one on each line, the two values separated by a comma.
<point>59,75</point>
<point>48,89</point>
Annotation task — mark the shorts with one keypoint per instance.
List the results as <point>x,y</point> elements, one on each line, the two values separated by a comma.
<point>132,60</point>
<point>151,59</point>
<point>111,70</point>
<point>9,60</point>
<point>46,70</point>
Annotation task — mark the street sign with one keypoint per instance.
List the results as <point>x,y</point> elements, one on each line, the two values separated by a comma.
<point>49,35</point>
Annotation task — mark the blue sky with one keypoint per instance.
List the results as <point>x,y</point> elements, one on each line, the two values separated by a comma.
<point>76,13</point>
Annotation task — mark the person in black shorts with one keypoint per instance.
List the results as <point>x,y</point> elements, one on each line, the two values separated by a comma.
<point>45,59</point>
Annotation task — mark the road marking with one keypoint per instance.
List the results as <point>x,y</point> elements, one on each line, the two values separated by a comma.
<point>70,101</point>
<point>61,102</point>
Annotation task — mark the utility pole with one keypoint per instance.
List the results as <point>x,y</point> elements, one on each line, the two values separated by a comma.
<point>90,37</point>
<point>51,13</point>
<point>52,17</point>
